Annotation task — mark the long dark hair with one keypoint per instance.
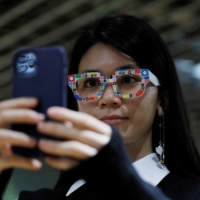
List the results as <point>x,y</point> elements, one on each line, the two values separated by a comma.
<point>140,41</point>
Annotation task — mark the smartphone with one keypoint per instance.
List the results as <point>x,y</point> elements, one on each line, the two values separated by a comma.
<point>39,72</point>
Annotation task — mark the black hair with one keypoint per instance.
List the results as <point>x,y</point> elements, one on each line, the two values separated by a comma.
<point>140,41</point>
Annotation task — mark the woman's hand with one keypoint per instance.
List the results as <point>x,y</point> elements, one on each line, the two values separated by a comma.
<point>83,136</point>
<point>16,111</point>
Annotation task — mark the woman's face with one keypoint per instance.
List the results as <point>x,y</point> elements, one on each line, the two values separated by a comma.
<point>132,117</point>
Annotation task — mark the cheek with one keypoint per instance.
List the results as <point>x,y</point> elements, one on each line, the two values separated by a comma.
<point>141,113</point>
<point>81,106</point>
<point>144,109</point>
<point>147,107</point>
<point>87,107</point>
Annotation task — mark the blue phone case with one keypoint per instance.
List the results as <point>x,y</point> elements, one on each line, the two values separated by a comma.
<point>39,72</point>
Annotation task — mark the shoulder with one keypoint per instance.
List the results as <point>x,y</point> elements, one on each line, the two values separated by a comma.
<point>178,187</point>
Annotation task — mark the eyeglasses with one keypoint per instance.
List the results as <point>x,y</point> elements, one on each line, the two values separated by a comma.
<point>126,83</point>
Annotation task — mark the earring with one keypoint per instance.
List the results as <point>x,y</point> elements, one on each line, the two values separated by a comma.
<point>160,150</point>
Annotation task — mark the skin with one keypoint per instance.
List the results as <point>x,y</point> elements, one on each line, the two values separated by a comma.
<point>17,111</point>
<point>84,133</point>
<point>82,139</point>
<point>138,113</point>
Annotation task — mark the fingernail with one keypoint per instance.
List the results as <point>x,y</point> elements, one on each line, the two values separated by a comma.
<point>36,163</point>
<point>31,100</point>
<point>52,111</point>
<point>69,124</point>
<point>41,116</point>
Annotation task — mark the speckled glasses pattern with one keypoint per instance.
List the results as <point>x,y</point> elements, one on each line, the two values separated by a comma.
<point>74,79</point>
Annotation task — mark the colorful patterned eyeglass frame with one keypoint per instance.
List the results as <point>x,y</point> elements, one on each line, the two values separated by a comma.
<point>145,74</point>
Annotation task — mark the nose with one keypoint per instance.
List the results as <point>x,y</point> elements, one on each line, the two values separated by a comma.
<point>109,99</point>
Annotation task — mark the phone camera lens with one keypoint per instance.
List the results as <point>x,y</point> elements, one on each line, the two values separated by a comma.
<point>31,63</point>
<point>23,68</point>
<point>23,58</point>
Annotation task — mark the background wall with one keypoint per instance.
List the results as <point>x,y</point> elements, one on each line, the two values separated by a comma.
<point>46,22</point>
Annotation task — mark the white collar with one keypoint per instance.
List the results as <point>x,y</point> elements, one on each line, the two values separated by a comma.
<point>75,186</point>
<point>149,169</point>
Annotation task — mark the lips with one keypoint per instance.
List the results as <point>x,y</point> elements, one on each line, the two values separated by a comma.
<point>113,119</point>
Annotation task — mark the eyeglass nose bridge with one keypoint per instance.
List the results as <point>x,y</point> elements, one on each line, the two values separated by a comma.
<point>109,82</point>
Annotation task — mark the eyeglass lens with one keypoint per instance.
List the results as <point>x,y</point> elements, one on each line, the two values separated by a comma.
<point>123,84</point>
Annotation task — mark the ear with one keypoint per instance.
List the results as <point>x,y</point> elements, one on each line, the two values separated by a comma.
<point>160,110</point>
<point>164,103</point>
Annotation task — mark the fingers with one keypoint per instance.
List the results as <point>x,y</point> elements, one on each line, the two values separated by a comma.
<point>9,160</point>
<point>62,163</point>
<point>6,150</point>
<point>18,103</point>
<point>9,116</point>
<point>16,138</point>
<point>88,137</point>
<point>85,135</point>
<point>17,111</point>
<point>19,162</point>
<point>73,149</point>
<point>81,120</point>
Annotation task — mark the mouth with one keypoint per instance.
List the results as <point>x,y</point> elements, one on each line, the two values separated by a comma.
<point>113,119</point>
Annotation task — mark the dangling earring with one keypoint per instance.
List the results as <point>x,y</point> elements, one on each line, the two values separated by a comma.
<point>160,150</point>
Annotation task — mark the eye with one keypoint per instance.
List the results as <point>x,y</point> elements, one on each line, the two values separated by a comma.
<point>89,83</point>
<point>129,80</point>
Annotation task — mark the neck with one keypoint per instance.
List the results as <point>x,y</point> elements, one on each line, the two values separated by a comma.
<point>140,148</point>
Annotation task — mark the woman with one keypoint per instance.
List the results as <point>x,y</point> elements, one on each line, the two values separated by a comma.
<point>129,82</point>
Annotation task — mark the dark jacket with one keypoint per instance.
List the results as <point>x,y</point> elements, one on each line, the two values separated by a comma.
<point>110,175</point>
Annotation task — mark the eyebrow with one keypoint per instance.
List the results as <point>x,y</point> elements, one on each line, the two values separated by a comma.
<point>132,66</point>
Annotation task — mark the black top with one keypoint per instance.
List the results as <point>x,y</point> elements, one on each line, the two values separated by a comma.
<point>110,175</point>
<point>180,188</point>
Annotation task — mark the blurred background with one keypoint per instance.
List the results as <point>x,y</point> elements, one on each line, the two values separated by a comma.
<point>45,22</point>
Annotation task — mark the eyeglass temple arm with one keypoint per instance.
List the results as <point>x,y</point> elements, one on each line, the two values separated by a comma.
<point>154,79</point>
